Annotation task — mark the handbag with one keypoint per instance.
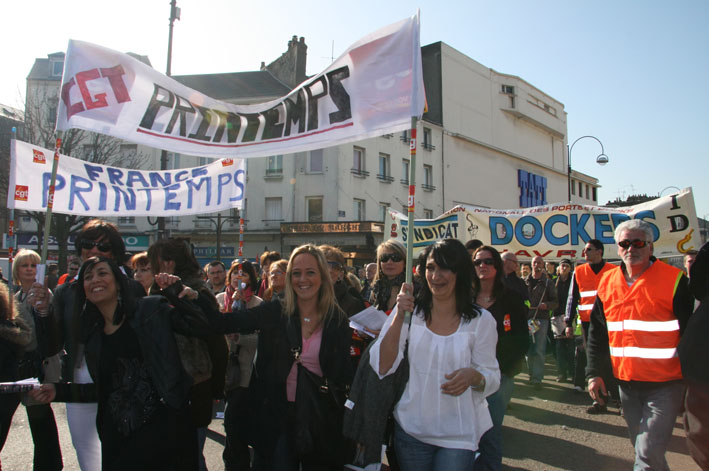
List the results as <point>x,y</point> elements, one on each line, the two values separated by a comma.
<point>369,419</point>
<point>319,406</point>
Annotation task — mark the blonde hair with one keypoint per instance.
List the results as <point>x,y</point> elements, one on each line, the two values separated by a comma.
<point>22,255</point>
<point>390,245</point>
<point>326,294</point>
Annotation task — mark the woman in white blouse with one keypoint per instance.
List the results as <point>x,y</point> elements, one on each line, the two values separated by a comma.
<point>442,413</point>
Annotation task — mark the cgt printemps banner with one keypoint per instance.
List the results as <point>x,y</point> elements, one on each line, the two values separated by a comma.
<point>557,231</point>
<point>374,88</point>
<point>85,188</point>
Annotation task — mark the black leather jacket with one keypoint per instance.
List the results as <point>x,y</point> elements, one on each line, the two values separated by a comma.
<point>154,322</point>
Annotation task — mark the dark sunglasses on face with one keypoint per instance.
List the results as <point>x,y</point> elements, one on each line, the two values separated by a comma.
<point>636,243</point>
<point>484,261</point>
<point>390,256</point>
<point>103,246</point>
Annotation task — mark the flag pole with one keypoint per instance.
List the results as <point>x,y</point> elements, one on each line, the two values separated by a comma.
<point>50,201</point>
<point>241,235</point>
<point>411,207</point>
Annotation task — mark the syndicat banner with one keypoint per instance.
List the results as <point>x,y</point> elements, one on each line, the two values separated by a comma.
<point>85,188</point>
<point>374,88</point>
<point>557,231</point>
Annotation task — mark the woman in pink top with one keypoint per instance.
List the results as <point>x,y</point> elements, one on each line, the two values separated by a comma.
<point>308,312</point>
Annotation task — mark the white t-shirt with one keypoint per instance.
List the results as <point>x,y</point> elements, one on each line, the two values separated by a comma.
<point>424,412</point>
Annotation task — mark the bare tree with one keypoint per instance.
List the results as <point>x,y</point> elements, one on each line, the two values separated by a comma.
<point>40,119</point>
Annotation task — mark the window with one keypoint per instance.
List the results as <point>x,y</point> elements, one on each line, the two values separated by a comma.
<point>274,208</point>
<point>383,209</point>
<point>358,162</point>
<point>89,152</point>
<point>428,178</point>
<point>126,221</point>
<point>173,160</point>
<point>52,115</point>
<point>428,214</point>
<point>384,168</point>
<point>405,171</point>
<point>573,187</point>
<point>580,190</point>
<point>274,168</point>
<point>359,210</point>
<point>588,193</point>
<point>316,161</point>
<point>202,161</point>
<point>427,139</point>
<point>234,216</point>
<point>314,206</point>
<point>508,89</point>
<point>405,136</point>
<point>595,195</point>
<point>57,68</point>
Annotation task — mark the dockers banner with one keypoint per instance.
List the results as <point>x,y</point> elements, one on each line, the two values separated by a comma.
<point>89,189</point>
<point>557,231</point>
<point>374,88</point>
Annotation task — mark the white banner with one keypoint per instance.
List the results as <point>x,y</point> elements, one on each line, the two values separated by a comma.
<point>89,189</point>
<point>559,230</point>
<point>374,88</point>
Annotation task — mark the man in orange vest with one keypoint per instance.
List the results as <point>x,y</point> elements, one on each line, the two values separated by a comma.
<point>641,310</point>
<point>583,295</point>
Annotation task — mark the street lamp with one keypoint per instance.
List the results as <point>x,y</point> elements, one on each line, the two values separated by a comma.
<point>219,222</point>
<point>602,158</point>
<point>668,188</point>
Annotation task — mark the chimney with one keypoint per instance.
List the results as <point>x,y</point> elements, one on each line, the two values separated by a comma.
<point>290,67</point>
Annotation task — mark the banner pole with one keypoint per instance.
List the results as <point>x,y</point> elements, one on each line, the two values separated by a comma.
<point>241,236</point>
<point>50,201</point>
<point>411,207</point>
<point>11,243</point>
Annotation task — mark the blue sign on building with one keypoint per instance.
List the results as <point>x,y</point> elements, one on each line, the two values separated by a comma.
<point>532,189</point>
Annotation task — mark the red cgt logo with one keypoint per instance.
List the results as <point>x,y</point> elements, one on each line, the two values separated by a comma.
<point>38,157</point>
<point>227,162</point>
<point>21,192</point>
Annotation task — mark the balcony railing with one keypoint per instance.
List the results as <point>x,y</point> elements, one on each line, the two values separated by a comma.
<point>427,187</point>
<point>428,146</point>
<point>274,172</point>
<point>385,178</point>
<point>359,172</point>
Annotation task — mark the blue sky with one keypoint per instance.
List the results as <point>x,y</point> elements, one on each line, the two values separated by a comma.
<point>632,73</point>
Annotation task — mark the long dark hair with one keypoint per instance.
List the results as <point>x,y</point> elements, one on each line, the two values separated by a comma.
<point>452,255</point>
<point>97,228</point>
<point>498,286</point>
<point>90,313</point>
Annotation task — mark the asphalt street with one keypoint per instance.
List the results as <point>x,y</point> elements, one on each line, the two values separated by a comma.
<point>543,430</point>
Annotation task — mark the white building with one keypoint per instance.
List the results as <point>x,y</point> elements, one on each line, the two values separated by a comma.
<point>488,139</point>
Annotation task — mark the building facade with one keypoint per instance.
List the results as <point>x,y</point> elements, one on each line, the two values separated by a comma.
<point>487,139</point>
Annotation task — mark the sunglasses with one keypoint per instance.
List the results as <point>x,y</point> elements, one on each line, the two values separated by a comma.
<point>103,246</point>
<point>390,256</point>
<point>636,243</point>
<point>483,261</point>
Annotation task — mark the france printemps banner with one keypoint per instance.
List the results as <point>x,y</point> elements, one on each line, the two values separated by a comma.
<point>85,188</point>
<point>558,230</point>
<point>373,88</point>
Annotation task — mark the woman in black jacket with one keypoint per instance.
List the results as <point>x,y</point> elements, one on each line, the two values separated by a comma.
<point>510,312</point>
<point>139,382</point>
<point>308,326</point>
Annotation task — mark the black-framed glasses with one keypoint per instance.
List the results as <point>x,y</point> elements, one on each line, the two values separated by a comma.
<point>390,256</point>
<point>636,243</point>
<point>335,265</point>
<point>103,246</point>
<point>483,261</point>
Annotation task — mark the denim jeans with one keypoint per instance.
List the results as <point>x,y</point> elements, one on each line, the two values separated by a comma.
<point>537,352</point>
<point>414,455</point>
<point>651,414</point>
<point>489,456</point>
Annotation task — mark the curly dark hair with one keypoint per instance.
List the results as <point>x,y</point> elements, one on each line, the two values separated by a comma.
<point>452,255</point>
<point>97,228</point>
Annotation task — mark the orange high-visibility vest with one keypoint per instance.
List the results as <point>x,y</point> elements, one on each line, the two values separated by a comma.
<point>643,331</point>
<point>587,282</point>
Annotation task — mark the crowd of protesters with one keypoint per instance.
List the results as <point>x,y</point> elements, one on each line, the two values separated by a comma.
<point>141,347</point>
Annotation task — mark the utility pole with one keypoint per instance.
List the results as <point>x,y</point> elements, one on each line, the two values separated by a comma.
<point>174,15</point>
